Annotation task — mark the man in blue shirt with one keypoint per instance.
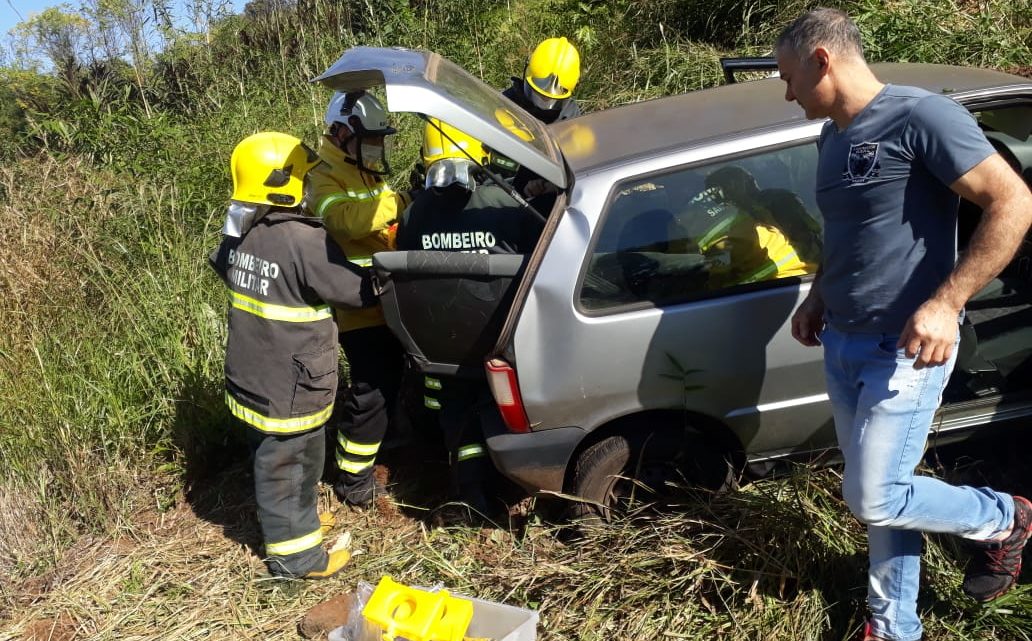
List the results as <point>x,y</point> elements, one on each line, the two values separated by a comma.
<point>886,304</point>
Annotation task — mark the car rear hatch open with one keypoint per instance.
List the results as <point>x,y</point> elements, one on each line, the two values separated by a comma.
<point>448,308</point>
<point>425,83</point>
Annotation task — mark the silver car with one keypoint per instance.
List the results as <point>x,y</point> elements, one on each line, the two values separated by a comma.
<point>645,340</point>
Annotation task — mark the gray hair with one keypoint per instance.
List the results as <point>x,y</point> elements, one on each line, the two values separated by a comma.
<point>822,27</point>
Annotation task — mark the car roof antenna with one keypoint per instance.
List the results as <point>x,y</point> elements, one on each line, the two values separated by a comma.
<point>495,178</point>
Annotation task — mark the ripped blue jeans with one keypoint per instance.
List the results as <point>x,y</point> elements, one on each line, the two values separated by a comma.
<point>883,409</point>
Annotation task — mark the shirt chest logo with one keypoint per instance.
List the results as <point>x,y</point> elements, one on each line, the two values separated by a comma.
<point>862,163</point>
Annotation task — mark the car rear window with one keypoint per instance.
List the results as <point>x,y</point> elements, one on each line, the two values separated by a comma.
<point>706,230</point>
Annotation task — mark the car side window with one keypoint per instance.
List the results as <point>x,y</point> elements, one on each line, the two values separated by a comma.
<point>707,230</point>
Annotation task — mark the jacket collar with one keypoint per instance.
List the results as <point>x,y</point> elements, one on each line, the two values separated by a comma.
<point>282,215</point>
<point>333,155</point>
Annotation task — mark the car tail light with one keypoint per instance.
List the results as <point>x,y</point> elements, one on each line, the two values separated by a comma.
<point>506,391</point>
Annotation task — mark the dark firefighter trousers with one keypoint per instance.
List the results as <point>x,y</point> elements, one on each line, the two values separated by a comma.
<point>286,476</point>
<point>375,363</point>
<point>459,404</point>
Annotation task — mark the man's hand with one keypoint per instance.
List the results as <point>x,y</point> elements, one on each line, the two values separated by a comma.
<point>808,321</point>
<point>930,333</point>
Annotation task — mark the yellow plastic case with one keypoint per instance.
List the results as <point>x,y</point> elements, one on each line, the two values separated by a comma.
<point>417,615</point>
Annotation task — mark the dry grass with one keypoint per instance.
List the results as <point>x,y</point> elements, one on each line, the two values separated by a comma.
<point>778,560</point>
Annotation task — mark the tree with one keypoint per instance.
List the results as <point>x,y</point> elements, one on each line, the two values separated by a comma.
<point>58,33</point>
<point>122,26</point>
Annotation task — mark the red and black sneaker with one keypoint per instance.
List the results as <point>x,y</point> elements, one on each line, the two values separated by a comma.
<point>995,566</point>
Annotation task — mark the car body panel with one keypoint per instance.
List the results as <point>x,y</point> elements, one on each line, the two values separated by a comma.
<point>565,379</point>
<point>657,127</point>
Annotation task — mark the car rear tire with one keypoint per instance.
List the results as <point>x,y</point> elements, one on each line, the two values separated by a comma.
<point>638,467</point>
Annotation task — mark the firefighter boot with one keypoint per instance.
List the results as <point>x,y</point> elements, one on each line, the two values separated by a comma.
<point>335,561</point>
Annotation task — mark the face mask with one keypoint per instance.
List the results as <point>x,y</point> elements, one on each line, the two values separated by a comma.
<point>544,103</point>
<point>240,217</point>
<point>373,158</point>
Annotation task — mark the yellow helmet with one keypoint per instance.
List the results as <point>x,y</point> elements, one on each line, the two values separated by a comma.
<point>269,168</point>
<point>450,156</point>
<point>553,69</point>
<point>441,140</point>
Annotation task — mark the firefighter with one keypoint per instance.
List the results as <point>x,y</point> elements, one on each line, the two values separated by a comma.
<point>546,92</point>
<point>776,207</point>
<point>347,191</point>
<point>457,213</point>
<point>549,79</point>
<point>283,274</point>
<point>747,244</point>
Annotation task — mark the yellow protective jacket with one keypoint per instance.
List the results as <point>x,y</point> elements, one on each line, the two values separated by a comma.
<point>358,210</point>
<point>756,252</point>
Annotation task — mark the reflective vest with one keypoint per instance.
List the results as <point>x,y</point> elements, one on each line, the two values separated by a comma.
<point>757,252</point>
<point>281,351</point>
<point>358,210</point>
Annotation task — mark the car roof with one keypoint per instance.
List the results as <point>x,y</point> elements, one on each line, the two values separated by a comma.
<point>652,127</point>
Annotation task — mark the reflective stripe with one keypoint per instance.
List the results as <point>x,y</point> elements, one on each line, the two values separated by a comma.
<point>358,449</point>
<point>467,452</point>
<point>305,314</point>
<point>783,255</point>
<point>353,466</point>
<point>277,425</point>
<point>432,383</point>
<point>431,402</point>
<point>760,274</point>
<point>348,195</point>
<point>293,546</point>
<point>361,261</point>
<point>714,233</point>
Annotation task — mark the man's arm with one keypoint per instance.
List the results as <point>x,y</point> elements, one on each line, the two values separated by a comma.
<point>353,213</point>
<point>808,319</point>
<point>1006,214</point>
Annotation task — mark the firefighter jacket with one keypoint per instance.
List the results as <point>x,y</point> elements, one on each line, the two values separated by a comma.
<point>358,209</point>
<point>486,220</point>
<point>281,354</point>
<point>752,251</point>
<point>569,108</point>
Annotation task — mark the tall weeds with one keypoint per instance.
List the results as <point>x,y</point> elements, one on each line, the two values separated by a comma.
<point>112,194</point>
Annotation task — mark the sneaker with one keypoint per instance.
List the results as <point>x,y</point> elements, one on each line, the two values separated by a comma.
<point>334,562</point>
<point>868,633</point>
<point>995,566</point>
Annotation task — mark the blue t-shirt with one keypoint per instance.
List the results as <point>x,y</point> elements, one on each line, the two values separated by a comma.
<point>890,218</point>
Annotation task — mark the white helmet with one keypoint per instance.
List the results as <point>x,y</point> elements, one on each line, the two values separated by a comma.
<point>360,112</point>
<point>364,117</point>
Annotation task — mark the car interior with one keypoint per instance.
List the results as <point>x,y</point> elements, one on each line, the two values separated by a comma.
<point>995,355</point>
<point>654,246</point>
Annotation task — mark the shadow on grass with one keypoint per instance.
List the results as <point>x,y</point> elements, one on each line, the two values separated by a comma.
<point>217,478</point>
